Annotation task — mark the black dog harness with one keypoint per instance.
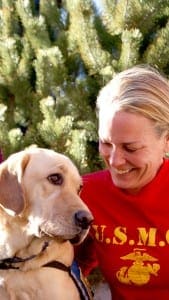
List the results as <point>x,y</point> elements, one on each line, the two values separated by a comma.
<point>84,291</point>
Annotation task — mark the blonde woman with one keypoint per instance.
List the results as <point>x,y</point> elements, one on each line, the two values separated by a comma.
<point>130,198</point>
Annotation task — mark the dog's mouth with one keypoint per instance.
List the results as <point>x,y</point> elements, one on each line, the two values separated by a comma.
<point>78,238</point>
<point>74,238</point>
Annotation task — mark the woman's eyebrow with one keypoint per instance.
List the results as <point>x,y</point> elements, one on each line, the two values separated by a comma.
<point>132,143</point>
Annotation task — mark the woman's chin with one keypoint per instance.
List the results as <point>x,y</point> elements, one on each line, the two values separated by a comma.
<point>125,184</point>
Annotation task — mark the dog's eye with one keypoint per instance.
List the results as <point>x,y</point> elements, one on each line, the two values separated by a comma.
<point>56,179</point>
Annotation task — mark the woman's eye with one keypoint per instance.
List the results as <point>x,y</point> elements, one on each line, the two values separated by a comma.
<point>56,179</point>
<point>131,150</point>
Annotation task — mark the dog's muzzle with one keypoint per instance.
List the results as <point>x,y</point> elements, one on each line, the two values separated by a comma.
<point>74,229</point>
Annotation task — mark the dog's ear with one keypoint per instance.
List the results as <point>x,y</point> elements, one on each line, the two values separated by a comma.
<point>11,172</point>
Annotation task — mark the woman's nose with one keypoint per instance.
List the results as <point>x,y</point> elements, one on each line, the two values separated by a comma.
<point>116,157</point>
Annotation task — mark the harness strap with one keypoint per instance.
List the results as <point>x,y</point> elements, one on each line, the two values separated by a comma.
<point>76,277</point>
<point>58,265</point>
<point>81,286</point>
<point>7,263</point>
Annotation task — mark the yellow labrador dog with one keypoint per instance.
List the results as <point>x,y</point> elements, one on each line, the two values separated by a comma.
<point>41,215</point>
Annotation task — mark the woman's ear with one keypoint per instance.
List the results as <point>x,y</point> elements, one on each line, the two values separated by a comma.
<point>166,148</point>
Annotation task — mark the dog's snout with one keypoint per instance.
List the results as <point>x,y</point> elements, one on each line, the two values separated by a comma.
<point>83,219</point>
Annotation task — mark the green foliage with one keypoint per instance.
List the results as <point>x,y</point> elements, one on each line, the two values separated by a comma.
<point>56,55</point>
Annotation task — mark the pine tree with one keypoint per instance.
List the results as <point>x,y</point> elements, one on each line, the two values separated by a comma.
<point>56,55</point>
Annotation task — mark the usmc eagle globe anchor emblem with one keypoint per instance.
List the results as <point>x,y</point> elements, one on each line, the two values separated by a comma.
<point>141,269</point>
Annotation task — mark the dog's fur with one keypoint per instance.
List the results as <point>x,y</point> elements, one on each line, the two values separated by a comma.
<point>40,213</point>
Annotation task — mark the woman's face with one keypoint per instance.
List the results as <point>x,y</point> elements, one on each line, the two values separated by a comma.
<point>131,148</point>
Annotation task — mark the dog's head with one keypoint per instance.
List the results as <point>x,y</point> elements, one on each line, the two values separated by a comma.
<point>41,187</point>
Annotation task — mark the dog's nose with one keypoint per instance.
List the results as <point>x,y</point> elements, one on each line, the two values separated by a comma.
<point>83,219</point>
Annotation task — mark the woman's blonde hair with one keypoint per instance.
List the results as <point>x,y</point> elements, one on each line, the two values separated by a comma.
<point>140,89</point>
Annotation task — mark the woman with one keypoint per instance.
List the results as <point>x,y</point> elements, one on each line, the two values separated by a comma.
<point>130,198</point>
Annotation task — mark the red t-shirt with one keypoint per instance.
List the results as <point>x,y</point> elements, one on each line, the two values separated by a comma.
<point>131,235</point>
